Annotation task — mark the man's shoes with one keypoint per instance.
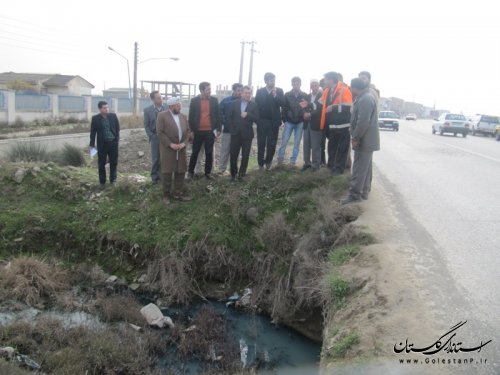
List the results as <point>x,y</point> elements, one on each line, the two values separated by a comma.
<point>240,177</point>
<point>190,176</point>
<point>349,199</point>
<point>305,167</point>
<point>113,184</point>
<point>208,176</point>
<point>364,196</point>
<point>233,178</point>
<point>268,166</point>
<point>166,201</point>
<point>102,187</point>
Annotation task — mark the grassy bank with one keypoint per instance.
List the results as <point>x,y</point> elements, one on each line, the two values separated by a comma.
<point>282,233</point>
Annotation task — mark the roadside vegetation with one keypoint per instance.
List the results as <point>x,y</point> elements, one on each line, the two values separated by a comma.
<point>281,233</point>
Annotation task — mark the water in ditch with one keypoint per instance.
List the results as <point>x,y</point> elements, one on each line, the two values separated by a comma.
<point>277,350</point>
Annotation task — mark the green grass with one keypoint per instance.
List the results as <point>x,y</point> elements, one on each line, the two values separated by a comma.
<point>50,213</point>
<point>339,289</point>
<point>341,348</point>
<point>340,255</point>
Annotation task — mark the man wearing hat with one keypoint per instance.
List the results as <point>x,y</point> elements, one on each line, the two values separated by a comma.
<point>173,131</point>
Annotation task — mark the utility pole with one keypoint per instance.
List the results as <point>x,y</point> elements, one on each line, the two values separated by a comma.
<point>241,60</point>
<point>252,50</point>
<point>136,59</point>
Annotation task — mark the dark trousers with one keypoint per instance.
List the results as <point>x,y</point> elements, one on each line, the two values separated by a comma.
<point>155,158</point>
<point>178,179</point>
<point>323,146</point>
<point>206,138</point>
<point>338,149</point>
<point>267,138</point>
<point>239,143</point>
<point>107,149</point>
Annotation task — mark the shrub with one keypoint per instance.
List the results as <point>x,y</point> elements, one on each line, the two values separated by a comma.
<point>27,152</point>
<point>30,280</point>
<point>341,348</point>
<point>71,155</point>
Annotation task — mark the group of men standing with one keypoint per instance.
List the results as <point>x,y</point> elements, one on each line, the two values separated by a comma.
<point>345,115</point>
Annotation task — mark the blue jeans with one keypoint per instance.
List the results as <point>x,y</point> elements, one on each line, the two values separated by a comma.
<point>297,130</point>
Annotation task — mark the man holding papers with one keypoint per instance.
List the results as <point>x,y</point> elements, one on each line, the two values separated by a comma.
<point>106,127</point>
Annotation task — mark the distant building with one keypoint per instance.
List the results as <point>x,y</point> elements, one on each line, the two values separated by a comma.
<point>46,83</point>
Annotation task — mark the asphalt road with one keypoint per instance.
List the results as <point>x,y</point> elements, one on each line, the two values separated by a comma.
<point>447,193</point>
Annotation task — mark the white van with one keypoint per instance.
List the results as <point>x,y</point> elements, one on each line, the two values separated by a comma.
<point>486,125</point>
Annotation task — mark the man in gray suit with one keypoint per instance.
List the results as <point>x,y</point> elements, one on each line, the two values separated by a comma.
<point>365,139</point>
<point>150,115</point>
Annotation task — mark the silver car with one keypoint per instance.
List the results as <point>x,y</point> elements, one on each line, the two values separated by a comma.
<point>451,123</point>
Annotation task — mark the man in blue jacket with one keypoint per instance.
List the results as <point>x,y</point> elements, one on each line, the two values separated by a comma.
<point>106,127</point>
<point>225,106</point>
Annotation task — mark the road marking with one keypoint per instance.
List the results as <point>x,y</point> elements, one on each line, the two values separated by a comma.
<point>473,153</point>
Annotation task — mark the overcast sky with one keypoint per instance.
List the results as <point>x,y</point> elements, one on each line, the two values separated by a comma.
<point>423,51</point>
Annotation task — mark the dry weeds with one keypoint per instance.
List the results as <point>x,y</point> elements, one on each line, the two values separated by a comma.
<point>31,280</point>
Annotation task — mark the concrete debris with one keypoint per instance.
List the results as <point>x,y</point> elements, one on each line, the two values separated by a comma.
<point>140,154</point>
<point>252,215</point>
<point>189,329</point>
<point>134,286</point>
<point>136,328</point>
<point>7,352</point>
<point>19,175</point>
<point>155,317</point>
<point>111,279</point>
<point>136,179</point>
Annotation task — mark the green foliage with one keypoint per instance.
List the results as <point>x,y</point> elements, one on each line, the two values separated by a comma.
<point>71,155</point>
<point>339,289</point>
<point>342,347</point>
<point>340,255</point>
<point>27,152</point>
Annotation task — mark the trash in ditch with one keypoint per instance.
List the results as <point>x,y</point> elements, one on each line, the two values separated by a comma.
<point>155,317</point>
<point>22,360</point>
<point>243,353</point>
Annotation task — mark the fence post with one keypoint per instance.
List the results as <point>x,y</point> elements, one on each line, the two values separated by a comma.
<point>88,107</point>
<point>54,101</point>
<point>115,105</point>
<point>11,107</point>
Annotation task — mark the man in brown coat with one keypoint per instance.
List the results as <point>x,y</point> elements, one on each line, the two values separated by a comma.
<point>173,131</point>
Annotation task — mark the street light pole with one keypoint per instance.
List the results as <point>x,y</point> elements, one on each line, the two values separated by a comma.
<point>128,69</point>
<point>241,60</point>
<point>134,96</point>
<point>250,73</point>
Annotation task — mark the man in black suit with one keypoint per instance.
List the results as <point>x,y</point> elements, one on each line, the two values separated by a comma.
<point>242,114</point>
<point>107,128</point>
<point>205,122</point>
<point>270,100</point>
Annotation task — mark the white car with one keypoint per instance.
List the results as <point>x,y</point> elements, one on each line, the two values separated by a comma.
<point>451,123</point>
<point>485,125</point>
<point>388,120</point>
<point>411,117</point>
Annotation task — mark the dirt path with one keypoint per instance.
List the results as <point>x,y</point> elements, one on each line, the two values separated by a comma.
<point>390,307</point>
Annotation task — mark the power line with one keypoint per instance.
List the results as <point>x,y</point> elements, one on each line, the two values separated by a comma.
<point>33,43</point>
<point>40,50</point>
<point>32,25</point>
<point>41,41</point>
